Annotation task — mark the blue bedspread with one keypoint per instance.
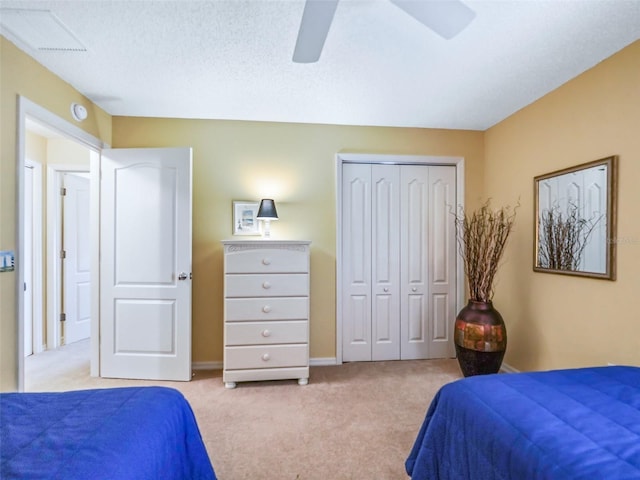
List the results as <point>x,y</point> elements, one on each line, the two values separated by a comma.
<point>564,424</point>
<point>120,433</point>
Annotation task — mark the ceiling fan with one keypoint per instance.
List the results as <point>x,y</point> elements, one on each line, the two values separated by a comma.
<point>447,18</point>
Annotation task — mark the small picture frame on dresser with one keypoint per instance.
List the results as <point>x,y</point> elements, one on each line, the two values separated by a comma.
<point>244,218</point>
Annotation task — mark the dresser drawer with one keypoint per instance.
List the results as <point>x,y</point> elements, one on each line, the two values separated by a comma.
<point>264,333</point>
<point>260,285</point>
<point>266,356</point>
<point>265,260</point>
<point>269,308</point>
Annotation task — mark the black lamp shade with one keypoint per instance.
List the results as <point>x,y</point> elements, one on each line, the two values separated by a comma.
<point>267,210</point>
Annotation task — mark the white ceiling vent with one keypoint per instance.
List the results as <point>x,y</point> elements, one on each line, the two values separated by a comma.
<point>39,29</point>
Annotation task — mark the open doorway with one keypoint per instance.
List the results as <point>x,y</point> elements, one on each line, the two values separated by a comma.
<point>56,314</point>
<point>56,147</point>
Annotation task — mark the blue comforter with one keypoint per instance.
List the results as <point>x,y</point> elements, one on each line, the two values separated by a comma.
<point>564,424</point>
<point>120,433</point>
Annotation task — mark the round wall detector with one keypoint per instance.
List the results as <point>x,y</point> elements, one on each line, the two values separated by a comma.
<point>78,112</point>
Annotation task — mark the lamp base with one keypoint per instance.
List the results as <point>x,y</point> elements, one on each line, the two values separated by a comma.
<point>266,231</point>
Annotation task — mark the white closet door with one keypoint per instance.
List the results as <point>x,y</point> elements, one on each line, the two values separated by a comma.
<point>399,262</point>
<point>356,267</point>
<point>429,263</point>
<point>414,259</point>
<point>442,273</point>
<point>385,262</point>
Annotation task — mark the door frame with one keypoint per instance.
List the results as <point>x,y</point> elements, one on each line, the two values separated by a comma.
<point>27,108</point>
<point>387,159</point>
<point>55,173</point>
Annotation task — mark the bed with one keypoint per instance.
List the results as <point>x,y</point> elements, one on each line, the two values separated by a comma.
<point>115,433</point>
<point>562,424</point>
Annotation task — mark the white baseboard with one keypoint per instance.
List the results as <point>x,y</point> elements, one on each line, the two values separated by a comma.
<point>206,366</point>
<point>313,362</point>
<point>322,361</point>
<point>506,368</point>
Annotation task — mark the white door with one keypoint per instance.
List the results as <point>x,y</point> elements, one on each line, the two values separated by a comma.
<point>145,265</point>
<point>76,303</point>
<point>28,261</point>
<point>385,262</point>
<point>428,261</point>
<point>399,259</point>
<point>371,271</point>
<point>356,269</point>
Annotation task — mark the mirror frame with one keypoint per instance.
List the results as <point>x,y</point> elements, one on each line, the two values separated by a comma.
<point>611,216</point>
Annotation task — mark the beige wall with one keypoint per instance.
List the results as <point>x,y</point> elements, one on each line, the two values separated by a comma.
<point>21,75</point>
<point>295,164</point>
<point>35,147</point>
<point>62,151</point>
<point>556,321</point>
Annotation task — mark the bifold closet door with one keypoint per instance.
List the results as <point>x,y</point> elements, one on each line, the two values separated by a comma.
<point>356,267</point>
<point>428,261</point>
<point>385,262</point>
<point>370,271</point>
<point>398,262</point>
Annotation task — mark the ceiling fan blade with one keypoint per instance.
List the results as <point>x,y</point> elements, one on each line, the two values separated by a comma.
<point>445,17</point>
<point>314,27</point>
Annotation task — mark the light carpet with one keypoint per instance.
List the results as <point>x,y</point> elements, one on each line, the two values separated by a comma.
<point>352,421</point>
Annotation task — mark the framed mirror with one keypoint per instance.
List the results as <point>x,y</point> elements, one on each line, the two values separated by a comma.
<point>575,220</point>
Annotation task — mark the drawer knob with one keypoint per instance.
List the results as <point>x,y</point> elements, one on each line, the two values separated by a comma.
<point>266,285</point>
<point>265,357</point>
<point>266,309</point>
<point>386,289</point>
<point>414,289</point>
<point>266,261</point>
<point>266,333</point>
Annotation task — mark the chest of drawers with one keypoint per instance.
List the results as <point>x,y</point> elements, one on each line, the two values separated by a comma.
<point>266,311</point>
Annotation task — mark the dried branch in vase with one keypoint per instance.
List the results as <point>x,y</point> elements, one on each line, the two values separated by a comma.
<point>482,237</point>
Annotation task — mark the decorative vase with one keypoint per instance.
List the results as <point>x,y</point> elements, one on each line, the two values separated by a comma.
<point>480,338</point>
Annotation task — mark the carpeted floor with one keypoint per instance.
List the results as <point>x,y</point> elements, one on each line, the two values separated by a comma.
<point>353,421</point>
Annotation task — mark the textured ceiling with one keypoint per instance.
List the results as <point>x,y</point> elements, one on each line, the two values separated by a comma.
<point>232,59</point>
